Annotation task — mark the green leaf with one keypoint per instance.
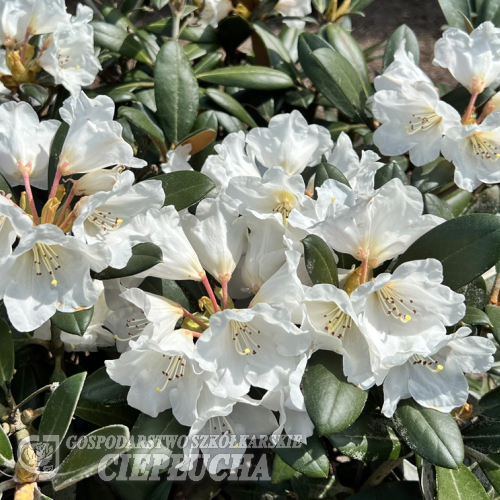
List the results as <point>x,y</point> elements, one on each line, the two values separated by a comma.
<point>332,403</point>
<point>489,404</point>
<point>452,9</point>
<point>281,471</point>
<point>394,42</point>
<point>60,408</point>
<point>333,76</point>
<point>458,199</point>
<point>467,247</point>
<point>55,151</point>
<point>390,171</point>
<point>144,257</point>
<point>183,189</point>
<point>116,39</point>
<point>367,439</point>
<point>485,435</point>
<point>459,98</point>
<point>248,77</point>
<point>435,436</point>
<point>320,5</point>
<point>490,465</point>
<point>436,206</point>
<point>347,46</point>
<point>176,92</point>
<point>6,453</point>
<point>163,427</point>
<point>326,171</point>
<point>208,63</point>
<point>84,461</point>
<point>99,388</point>
<point>166,288</point>
<point>309,459</point>
<point>458,484</point>
<point>493,313</point>
<point>75,323</point>
<point>474,316</point>
<point>233,31</point>
<point>6,353</point>
<point>196,50</point>
<point>319,260</point>
<point>5,187</point>
<point>143,121</point>
<point>35,91</point>
<point>103,415</point>
<point>408,490</point>
<point>489,11</point>
<point>231,105</point>
<point>433,175</point>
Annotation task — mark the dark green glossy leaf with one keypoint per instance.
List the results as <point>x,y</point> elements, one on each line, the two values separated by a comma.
<point>35,91</point>
<point>332,403</point>
<point>208,63</point>
<point>459,98</point>
<point>431,434</point>
<point>84,461</point>
<point>326,171</point>
<point>345,44</point>
<point>6,453</point>
<point>474,316</point>
<point>452,9</point>
<point>281,471</point>
<point>467,247</point>
<point>319,261</point>
<point>309,459</point>
<point>183,189</point>
<point>144,257</point>
<point>459,484</point>
<point>103,415</point>
<point>248,77</point>
<point>489,11</point>
<point>490,465</point>
<point>176,92</point>
<point>493,313</point>
<point>196,50</point>
<point>433,175</point>
<point>484,436</point>
<point>458,200</point>
<point>390,171</point>
<point>489,404</point>
<point>436,206</point>
<point>60,408</point>
<point>394,42</point>
<point>99,388</point>
<point>6,353</point>
<point>166,288</point>
<point>75,323</point>
<point>143,121</point>
<point>369,438</point>
<point>407,490</point>
<point>231,105</point>
<point>55,151</point>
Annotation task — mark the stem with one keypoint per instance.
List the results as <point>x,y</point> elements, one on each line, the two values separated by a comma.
<point>25,45</point>
<point>225,295</point>
<point>176,22</point>
<point>364,271</point>
<point>470,108</point>
<point>36,393</point>
<point>382,472</point>
<point>27,186</point>
<point>495,291</point>
<point>55,184</point>
<point>210,293</point>
<point>194,318</point>
<point>67,220</point>
<point>67,203</point>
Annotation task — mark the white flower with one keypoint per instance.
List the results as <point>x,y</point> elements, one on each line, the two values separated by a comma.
<point>294,8</point>
<point>94,140</point>
<point>474,150</point>
<point>107,216</point>
<point>473,60</point>
<point>359,172</point>
<point>180,261</point>
<point>333,325</point>
<point>402,69</point>
<point>155,369</point>
<point>275,192</point>
<point>25,144</point>
<point>96,181</point>
<point>70,56</point>
<point>405,313</point>
<point>251,347</point>
<point>230,161</point>
<point>437,380</point>
<point>413,120</point>
<point>217,235</point>
<point>288,142</point>
<point>13,223</point>
<point>215,10</point>
<point>177,159</point>
<point>49,271</point>
<point>379,227</point>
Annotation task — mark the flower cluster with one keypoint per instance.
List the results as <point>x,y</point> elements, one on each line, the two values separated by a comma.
<point>38,35</point>
<point>414,119</point>
<point>229,366</point>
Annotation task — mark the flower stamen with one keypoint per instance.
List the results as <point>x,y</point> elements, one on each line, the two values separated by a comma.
<point>395,305</point>
<point>241,335</point>
<point>46,255</point>
<point>174,370</point>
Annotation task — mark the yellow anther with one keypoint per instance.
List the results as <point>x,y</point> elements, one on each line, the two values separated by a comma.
<point>333,199</point>
<point>247,351</point>
<point>73,346</point>
<point>158,389</point>
<point>119,221</point>
<point>54,282</point>
<point>407,317</point>
<point>439,368</point>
